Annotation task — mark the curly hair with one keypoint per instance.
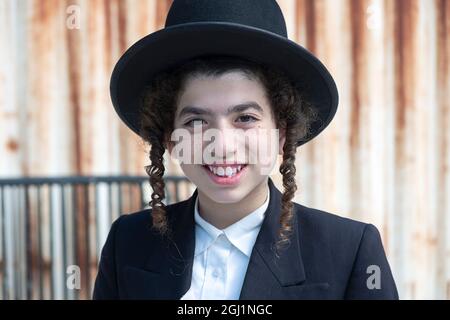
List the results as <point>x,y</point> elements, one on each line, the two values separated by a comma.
<point>158,106</point>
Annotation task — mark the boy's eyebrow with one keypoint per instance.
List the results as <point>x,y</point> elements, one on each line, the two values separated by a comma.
<point>233,109</point>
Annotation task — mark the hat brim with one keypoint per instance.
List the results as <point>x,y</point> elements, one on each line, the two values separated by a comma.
<point>173,45</point>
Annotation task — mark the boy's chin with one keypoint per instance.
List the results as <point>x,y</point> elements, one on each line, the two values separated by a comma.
<point>225,197</point>
<point>221,194</point>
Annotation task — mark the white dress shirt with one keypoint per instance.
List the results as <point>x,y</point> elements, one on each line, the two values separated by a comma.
<point>221,257</point>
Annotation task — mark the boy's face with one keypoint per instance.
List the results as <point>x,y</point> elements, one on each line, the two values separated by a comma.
<point>226,135</point>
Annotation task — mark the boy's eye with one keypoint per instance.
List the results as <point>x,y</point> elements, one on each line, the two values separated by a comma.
<point>193,122</point>
<point>247,118</point>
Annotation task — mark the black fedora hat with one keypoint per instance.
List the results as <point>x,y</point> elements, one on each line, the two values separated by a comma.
<point>250,29</point>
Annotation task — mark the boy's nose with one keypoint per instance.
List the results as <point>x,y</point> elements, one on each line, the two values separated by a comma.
<point>225,141</point>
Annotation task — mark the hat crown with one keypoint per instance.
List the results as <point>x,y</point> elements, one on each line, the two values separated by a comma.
<point>262,14</point>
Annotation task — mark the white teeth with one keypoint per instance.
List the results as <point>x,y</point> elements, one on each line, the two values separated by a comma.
<point>220,171</point>
<point>227,171</point>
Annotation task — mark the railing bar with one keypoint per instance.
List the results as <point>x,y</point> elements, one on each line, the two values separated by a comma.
<point>130,197</point>
<point>75,230</point>
<point>110,209</point>
<point>97,235</point>
<point>168,195</point>
<point>18,251</point>
<point>51,238</point>
<point>28,255</point>
<point>63,227</point>
<point>119,187</point>
<point>87,236</point>
<point>177,192</point>
<point>141,196</point>
<point>39,251</point>
<point>18,241</point>
<point>5,295</point>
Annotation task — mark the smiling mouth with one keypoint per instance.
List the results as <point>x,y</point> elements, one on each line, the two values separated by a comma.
<point>225,171</point>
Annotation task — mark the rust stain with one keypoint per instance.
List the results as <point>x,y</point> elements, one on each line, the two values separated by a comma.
<point>432,240</point>
<point>405,82</point>
<point>123,45</point>
<point>299,9</point>
<point>310,13</point>
<point>73,40</point>
<point>12,145</point>
<point>107,13</point>
<point>443,81</point>
<point>357,12</point>
<point>43,11</point>
<point>143,28</point>
<point>92,65</point>
<point>122,25</point>
<point>162,8</point>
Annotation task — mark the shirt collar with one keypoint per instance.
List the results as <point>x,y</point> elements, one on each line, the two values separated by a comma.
<point>242,234</point>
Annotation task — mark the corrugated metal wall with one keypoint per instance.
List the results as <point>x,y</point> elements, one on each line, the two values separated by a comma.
<point>384,159</point>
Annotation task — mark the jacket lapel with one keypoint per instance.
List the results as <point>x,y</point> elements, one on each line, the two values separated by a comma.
<point>268,274</point>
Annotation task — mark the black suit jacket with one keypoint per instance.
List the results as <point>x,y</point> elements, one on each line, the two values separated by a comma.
<point>330,257</point>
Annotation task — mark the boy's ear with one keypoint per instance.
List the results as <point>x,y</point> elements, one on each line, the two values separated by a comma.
<point>282,139</point>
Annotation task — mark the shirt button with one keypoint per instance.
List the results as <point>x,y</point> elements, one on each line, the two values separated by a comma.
<point>215,273</point>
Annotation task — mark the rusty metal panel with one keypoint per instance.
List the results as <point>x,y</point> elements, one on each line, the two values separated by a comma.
<point>383,160</point>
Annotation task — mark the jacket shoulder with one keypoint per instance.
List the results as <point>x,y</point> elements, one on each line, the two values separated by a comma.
<point>330,232</point>
<point>328,223</point>
<point>355,248</point>
<point>142,218</point>
<point>132,228</point>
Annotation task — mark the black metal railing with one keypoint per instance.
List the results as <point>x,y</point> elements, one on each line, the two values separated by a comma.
<point>52,230</point>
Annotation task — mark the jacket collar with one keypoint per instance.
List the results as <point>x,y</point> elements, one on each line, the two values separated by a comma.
<point>168,268</point>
